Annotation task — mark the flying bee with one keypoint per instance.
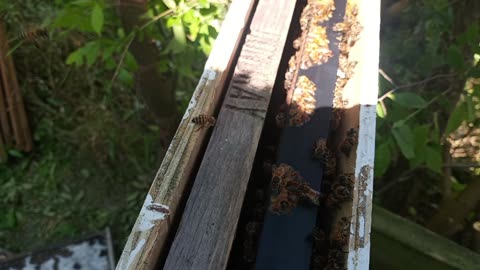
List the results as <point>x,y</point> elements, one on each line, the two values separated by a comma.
<point>33,34</point>
<point>204,121</point>
<point>349,142</point>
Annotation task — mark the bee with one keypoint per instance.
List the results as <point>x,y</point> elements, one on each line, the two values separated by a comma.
<point>292,67</point>
<point>337,115</point>
<point>336,260</point>
<point>251,232</point>
<point>338,195</point>
<point>331,166</point>
<point>323,10</point>
<point>346,180</point>
<point>349,142</point>
<point>288,188</point>
<point>341,233</point>
<point>321,152</point>
<point>33,34</point>
<point>158,208</point>
<point>204,121</point>
<point>303,191</point>
<point>319,244</point>
<point>281,117</point>
<point>303,102</point>
<point>317,49</point>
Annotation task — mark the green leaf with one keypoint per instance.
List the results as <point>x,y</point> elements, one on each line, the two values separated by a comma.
<point>15,153</point>
<point>457,186</point>
<point>383,158</point>
<point>125,77</point>
<point>97,18</point>
<point>455,57</point>
<point>421,137</point>
<point>457,117</point>
<point>170,4</point>
<point>408,99</point>
<point>179,35</point>
<point>404,137</point>
<point>8,219</point>
<point>380,111</point>
<point>434,159</point>
<point>470,108</point>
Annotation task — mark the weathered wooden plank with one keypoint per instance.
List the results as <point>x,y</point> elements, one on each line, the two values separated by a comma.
<point>402,244</point>
<point>148,236</point>
<point>208,225</point>
<point>13,97</point>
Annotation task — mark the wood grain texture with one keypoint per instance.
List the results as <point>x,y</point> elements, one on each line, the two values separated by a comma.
<point>152,227</point>
<point>208,225</point>
<point>12,95</point>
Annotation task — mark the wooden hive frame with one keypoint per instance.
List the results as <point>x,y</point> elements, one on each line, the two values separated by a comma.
<point>162,206</point>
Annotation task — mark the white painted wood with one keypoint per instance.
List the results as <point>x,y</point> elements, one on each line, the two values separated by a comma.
<point>365,85</point>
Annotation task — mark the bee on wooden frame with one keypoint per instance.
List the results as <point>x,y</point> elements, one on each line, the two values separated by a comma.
<point>204,121</point>
<point>321,152</point>
<point>338,195</point>
<point>349,142</point>
<point>341,232</point>
<point>336,260</point>
<point>303,102</point>
<point>346,180</point>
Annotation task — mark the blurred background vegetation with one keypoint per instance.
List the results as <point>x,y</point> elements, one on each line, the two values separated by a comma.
<point>98,145</point>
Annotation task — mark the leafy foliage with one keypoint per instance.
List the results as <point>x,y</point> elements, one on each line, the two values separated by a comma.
<point>411,52</point>
<point>97,148</point>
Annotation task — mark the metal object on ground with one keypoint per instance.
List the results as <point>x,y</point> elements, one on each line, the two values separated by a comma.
<point>91,253</point>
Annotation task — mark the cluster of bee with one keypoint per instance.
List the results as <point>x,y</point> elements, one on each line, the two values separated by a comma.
<point>303,102</point>
<point>316,48</point>
<point>288,188</point>
<point>349,31</point>
<point>302,106</point>
<point>329,252</point>
<point>312,47</point>
<point>204,121</point>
